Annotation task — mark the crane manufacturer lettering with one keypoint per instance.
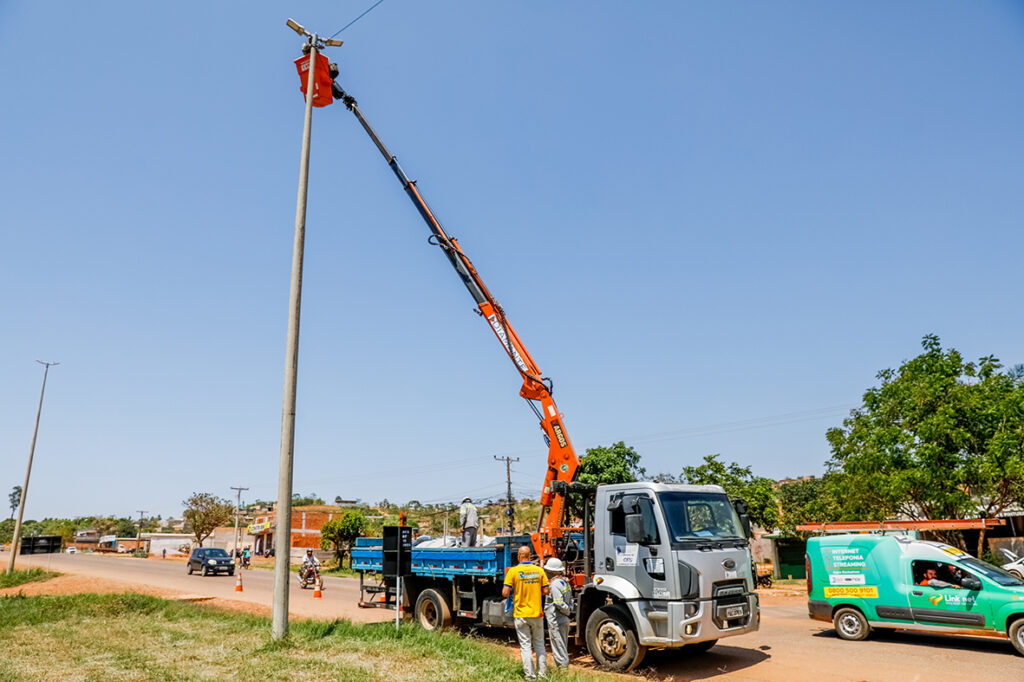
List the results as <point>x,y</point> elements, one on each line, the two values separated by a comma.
<point>499,329</point>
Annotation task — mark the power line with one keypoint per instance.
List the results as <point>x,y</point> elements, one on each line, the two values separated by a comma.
<point>357,18</point>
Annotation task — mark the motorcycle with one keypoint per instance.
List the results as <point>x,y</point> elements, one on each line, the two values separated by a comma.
<point>309,575</point>
<point>245,561</point>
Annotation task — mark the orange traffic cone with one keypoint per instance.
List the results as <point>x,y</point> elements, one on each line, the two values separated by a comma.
<point>238,583</point>
<point>316,589</point>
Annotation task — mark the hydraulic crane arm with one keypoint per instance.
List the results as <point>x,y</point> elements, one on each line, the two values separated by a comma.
<point>562,460</point>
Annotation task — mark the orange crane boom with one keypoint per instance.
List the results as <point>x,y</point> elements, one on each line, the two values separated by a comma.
<point>536,389</point>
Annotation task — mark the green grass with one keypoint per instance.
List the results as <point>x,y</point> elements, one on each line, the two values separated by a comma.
<point>136,637</point>
<point>31,575</point>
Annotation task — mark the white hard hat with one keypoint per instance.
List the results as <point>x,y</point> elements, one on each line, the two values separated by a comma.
<point>554,565</point>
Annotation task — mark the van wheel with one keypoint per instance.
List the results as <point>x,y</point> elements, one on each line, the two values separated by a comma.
<point>1016,633</point>
<point>851,624</point>
<point>612,640</point>
<point>432,611</point>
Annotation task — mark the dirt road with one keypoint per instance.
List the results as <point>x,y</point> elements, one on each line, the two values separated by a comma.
<point>788,648</point>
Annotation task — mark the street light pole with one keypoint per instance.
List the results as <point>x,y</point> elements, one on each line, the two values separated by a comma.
<point>238,506</point>
<point>283,532</point>
<point>138,539</point>
<point>16,540</point>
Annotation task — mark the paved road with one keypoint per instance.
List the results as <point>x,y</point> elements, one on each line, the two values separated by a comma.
<point>340,595</point>
<point>788,648</point>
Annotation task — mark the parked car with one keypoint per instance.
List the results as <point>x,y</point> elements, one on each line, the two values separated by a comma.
<point>862,582</point>
<point>1014,564</point>
<point>209,560</point>
<point>72,550</point>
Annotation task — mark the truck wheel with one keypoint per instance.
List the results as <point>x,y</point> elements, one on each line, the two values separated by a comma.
<point>1016,633</point>
<point>700,647</point>
<point>851,624</point>
<point>432,611</point>
<point>612,640</point>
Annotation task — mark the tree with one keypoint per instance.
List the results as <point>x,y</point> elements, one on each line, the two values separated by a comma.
<point>616,463</point>
<point>757,491</point>
<point>204,512</point>
<point>813,500</point>
<point>15,498</point>
<point>938,438</point>
<point>339,533</point>
<point>305,500</point>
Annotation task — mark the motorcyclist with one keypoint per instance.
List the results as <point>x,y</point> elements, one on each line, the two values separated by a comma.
<point>246,556</point>
<point>310,563</point>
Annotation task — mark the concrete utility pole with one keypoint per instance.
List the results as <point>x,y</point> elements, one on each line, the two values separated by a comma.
<point>238,506</point>
<point>283,532</point>
<point>510,511</point>
<point>16,540</point>
<point>138,539</point>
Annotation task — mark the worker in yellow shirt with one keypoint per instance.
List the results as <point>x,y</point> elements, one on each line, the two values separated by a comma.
<point>527,583</point>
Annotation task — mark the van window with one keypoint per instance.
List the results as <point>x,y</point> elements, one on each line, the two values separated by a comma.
<point>993,573</point>
<point>937,574</point>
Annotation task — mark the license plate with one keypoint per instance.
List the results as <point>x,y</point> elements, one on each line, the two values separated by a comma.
<point>734,612</point>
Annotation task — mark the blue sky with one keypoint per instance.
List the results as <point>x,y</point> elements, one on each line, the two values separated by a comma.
<point>712,223</point>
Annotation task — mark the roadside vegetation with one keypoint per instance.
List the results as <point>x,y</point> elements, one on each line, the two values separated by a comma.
<point>31,575</point>
<point>130,636</point>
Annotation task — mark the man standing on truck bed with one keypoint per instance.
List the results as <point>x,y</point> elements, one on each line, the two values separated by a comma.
<point>469,519</point>
<point>528,584</point>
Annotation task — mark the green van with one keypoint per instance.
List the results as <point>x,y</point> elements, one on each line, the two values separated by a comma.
<point>859,582</point>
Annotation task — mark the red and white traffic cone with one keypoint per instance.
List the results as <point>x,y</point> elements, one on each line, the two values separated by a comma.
<point>317,589</point>
<point>238,583</point>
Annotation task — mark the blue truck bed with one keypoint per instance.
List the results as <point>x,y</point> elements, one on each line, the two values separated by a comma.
<point>443,562</point>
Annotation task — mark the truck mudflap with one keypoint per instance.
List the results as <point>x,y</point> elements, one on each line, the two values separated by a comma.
<point>675,624</point>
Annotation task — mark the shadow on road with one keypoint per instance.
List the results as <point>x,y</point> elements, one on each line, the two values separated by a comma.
<point>679,664</point>
<point>659,664</point>
<point>990,645</point>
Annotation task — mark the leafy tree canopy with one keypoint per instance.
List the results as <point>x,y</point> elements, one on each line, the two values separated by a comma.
<point>339,533</point>
<point>204,512</point>
<point>617,463</point>
<point>939,438</point>
<point>757,491</point>
<point>15,499</point>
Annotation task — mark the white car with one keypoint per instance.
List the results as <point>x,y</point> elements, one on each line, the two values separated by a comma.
<point>1014,565</point>
<point>72,550</point>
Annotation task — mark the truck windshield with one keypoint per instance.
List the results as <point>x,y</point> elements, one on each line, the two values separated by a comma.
<point>993,573</point>
<point>700,516</point>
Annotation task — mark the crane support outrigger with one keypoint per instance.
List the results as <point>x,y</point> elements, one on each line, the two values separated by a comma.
<point>562,459</point>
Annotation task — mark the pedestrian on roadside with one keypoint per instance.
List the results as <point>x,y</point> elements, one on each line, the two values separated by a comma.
<point>527,584</point>
<point>558,608</point>
<point>164,554</point>
<point>469,519</point>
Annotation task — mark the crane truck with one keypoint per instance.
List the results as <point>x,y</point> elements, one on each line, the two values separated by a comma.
<point>652,565</point>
